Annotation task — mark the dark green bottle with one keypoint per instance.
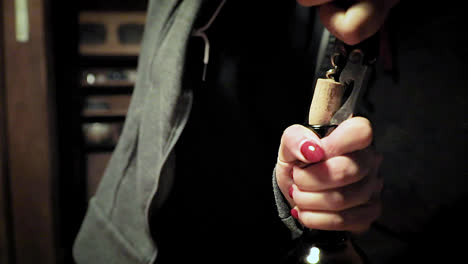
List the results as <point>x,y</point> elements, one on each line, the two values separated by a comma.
<point>325,247</point>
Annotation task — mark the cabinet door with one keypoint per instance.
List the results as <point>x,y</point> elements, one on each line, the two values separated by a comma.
<point>30,147</point>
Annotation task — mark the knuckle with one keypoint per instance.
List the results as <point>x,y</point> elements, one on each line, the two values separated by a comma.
<point>332,221</point>
<point>291,131</point>
<point>286,135</point>
<point>337,222</point>
<point>302,199</point>
<point>290,134</point>
<point>351,35</point>
<point>365,132</point>
<point>308,221</point>
<point>335,200</point>
<point>344,170</point>
<point>350,172</point>
<point>338,171</point>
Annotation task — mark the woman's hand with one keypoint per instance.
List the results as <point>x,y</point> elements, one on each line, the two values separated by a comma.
<point>331,183</point>
<point>362,19</point>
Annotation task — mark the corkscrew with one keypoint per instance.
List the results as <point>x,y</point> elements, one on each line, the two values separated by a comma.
<point>336,97</point>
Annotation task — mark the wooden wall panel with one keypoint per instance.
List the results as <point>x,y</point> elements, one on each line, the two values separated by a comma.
<point>5,216</point>
<point>30,134</point>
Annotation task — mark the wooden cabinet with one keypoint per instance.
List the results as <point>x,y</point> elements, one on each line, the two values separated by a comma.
<point>29,146</point>
<point>108,51</point>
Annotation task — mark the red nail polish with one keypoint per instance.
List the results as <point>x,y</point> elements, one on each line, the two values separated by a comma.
<point>291,189</point>
<point>311,151</point>
<point>294,213</point>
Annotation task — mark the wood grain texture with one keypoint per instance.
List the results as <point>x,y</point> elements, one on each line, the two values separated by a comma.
<point>30,134</point>
<point>5,216</point>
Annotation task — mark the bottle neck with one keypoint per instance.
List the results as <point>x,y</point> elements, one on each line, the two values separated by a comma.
<point>321,130</point>
<point>324,238</point>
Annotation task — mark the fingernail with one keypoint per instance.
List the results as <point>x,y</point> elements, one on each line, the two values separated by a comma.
<point>294,213</point>
<point>291,189</point>
<point>311,151</point>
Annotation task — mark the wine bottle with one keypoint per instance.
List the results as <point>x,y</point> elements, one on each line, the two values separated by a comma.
<point>321,246</point>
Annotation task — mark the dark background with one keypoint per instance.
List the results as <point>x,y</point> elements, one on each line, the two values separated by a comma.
<point>420,126</point>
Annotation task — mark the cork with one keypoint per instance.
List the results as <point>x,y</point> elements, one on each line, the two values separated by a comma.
<point>325,102</point>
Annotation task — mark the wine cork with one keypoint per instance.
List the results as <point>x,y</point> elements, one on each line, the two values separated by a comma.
<point>326,101</point>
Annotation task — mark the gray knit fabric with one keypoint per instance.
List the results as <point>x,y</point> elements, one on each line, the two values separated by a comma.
<point>115,229</point>
<point>284,210</point>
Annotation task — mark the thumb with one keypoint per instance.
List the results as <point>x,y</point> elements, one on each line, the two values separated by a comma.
<point>360,21</point>
<point>299,143</point>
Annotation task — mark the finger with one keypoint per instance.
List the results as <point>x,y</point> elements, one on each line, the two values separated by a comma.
<point>313,2</point>
<point>335,172</point>
<point>359,219</point>
<point>337,199</point>
<point>351,135</point>
<point>299,143</point>
<point>353,25</point>
<point>355,219</point>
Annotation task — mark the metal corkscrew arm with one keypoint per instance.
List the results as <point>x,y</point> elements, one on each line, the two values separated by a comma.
<point>336,97</point>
